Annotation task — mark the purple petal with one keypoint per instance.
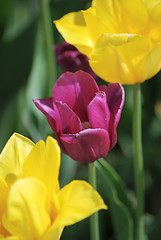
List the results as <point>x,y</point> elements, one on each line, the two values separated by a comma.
<point>69,123</point>
<point>88,145</point>
<point>76,90</point>
<point>88,87</point>
<point>115,100</point>
<point>45,105</point>
<point>98,112</point>
<point>69,61</point>
<point>63,47</point>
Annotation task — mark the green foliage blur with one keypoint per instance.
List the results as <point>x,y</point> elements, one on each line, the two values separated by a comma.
<point>24,76</point>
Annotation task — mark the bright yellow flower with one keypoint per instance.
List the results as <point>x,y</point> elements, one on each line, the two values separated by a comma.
<point>32,205</point>
<point>122,38</point>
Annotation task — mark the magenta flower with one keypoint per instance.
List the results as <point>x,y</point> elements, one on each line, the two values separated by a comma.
<point>83,116</point>
<point>71,60</point>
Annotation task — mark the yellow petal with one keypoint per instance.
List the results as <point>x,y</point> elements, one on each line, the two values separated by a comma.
<point>78,200</point>
<point>154,12</point>
<point>109,15</point>
<point>119,57</point>
<point>93,3</point>
<point>3,199</point>
<point>52,234</point>
<point>152,64</point>
<point>117,16</point>
<point>154,9</point>
<point>26,214</point>
<point>10,238</point>
<point>73,29</point>
<point>135,16</point>
<point>43,163</point>
<point>92,24</point>
<point>13,155</point>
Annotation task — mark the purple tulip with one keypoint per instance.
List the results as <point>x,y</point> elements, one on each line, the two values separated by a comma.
<point>83,116</point>
<point>71,60</point>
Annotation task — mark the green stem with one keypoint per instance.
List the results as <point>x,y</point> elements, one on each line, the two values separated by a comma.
<point>49,43</point>
<point>138,162</point>
<point>94,221</point>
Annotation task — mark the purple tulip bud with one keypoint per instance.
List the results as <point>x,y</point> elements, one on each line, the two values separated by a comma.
<point>71,60</point>
<point>83,116</point>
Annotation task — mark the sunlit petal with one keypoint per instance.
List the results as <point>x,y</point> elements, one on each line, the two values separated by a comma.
<point>13,155</point>
<point>26,214</point>
<point>115,58</point>
<point>152,63</point>
<point>43,163</point>
<point>73,28</point>
<point>78,200</point>
<point>52,233</point>
<point>3,198</point>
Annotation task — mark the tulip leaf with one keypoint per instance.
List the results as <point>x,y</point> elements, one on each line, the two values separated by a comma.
<point>37,81</point>
<point>121,216</point>
<point>118,183</point>
<point>37,86</point>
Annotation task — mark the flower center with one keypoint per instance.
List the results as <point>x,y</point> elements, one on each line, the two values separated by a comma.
<point>85,125</point>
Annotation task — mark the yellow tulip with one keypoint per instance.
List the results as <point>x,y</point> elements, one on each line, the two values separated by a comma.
<point>32,205</point>
<point>121,38</point>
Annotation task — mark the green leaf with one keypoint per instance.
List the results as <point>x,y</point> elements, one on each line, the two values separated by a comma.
<point>37,81</point>
<point>37,87</point>
<point>119,185</point>
<point>121,216</point>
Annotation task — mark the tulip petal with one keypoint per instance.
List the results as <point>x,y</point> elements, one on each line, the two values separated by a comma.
<point>13,155</point>
<point>120,16</point>
<point>76,90</point>
<point>98,111</point>
<point>88,145</point>
<point>45,105</point>
<point>10,238</point>
<point>52,233</point>
<point>152,64</point>
<point>70,123</point>
<point>78,200</point>
<point>106,11</point>
<point>43,163</point>
<point>92,24</point>
<point>154,9</point>
<point>131,9</point>
<point>115,100</point>
<point>124,52</point>
<point>3,199</point>
<point>26,214</point>
<point>73,29</point>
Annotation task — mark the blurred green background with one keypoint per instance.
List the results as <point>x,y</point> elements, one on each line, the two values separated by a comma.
<point>24,76</point>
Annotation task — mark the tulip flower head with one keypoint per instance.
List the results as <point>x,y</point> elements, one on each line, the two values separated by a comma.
<point>32,205</point>
<point>71,60</point>
<point>121,38</point>
<point>83,116</point>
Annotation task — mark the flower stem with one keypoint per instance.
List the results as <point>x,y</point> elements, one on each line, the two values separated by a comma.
<point>49,43</point>
<point>138,162</point>
<point>94,221</point>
